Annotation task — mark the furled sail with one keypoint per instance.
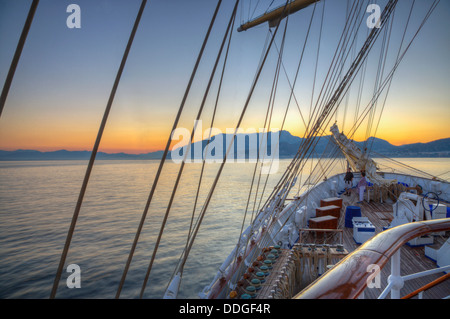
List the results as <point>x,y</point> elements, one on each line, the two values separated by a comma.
<point>358,160</point>
<point>274,16</point>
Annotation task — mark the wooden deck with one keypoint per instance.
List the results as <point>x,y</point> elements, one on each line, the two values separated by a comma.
<point>413,259</point>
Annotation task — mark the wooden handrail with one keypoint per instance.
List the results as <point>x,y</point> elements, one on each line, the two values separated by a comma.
<point>348,279</point>
<point>428,286</point>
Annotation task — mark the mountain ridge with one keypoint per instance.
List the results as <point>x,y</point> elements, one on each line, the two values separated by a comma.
<point>288,147</point>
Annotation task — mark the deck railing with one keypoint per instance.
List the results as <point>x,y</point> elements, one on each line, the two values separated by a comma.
<point>349,278</point>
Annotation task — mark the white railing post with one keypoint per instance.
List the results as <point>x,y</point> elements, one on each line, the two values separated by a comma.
<point>395,278</point>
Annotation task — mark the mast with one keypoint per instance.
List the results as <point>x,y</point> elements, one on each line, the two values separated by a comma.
<point>277,14</point>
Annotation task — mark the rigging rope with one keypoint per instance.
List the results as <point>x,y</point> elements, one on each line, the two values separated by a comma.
<point>343,87</point>
<point>398,54</point>
<point>267,123</point>
<point>200,111</point>
<point>394,68</point>
<point>292,93</point>
<point>155,182</point>
<point>250,94</point>
<point>310,136</point>
<point>317,60</point>
<point>332,71</point>
<point>193,230</point>
<point>378,79</point>
<point>378,83</point>
<point>310,140</point>
<point>352,58</point>
<point>189,242</point>
<point>290,181</point>
<point>327,110</point>
<point>282,126</point>
<point>95,149</point>
<point>336,99</point>
<point>17,54</point>
<point>344,53</point>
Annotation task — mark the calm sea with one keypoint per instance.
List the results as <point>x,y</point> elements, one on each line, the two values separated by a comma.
<point>37,200</point>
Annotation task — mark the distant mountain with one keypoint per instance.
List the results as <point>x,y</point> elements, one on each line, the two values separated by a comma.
<point>31,155</point>
<point>246,146</point>
<point>326,147</point>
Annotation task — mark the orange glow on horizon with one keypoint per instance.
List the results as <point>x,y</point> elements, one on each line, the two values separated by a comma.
<point>132,137</point>
<point>141,144</point>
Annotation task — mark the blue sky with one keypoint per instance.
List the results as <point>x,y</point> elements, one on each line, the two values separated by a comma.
<point>64,77</point>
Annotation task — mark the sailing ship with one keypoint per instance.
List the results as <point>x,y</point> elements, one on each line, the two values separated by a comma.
<point>333,240</point>
<point>324,244</point>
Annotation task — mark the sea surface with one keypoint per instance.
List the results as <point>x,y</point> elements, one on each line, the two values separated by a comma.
<point>37,202</point>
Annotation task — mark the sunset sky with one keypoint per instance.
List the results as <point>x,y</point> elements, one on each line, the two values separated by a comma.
<point>65,76</point>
